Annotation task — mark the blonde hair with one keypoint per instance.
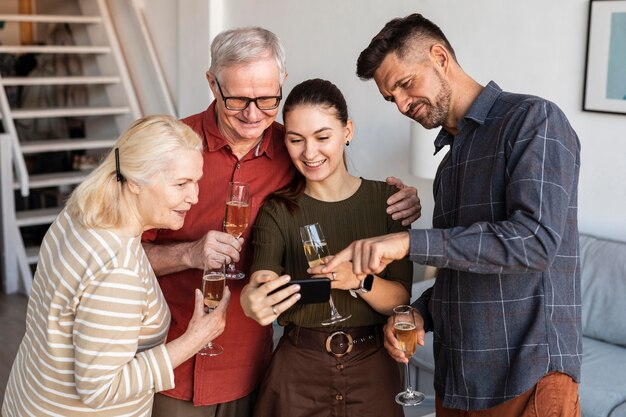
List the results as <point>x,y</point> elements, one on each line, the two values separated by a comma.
<point>144,150</point>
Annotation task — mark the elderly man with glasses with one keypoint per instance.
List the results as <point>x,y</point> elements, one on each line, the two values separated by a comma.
<point>243,143</point>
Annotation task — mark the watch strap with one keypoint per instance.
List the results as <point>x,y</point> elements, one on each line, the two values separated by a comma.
<point>364,287</point>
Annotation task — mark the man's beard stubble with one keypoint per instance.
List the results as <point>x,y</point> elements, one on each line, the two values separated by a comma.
<point>437,113</point>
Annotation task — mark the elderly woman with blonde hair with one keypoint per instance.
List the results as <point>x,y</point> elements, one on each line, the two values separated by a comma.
<point>97,320</point>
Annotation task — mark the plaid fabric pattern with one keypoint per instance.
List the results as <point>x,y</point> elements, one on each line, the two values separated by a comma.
<point>506,306</point>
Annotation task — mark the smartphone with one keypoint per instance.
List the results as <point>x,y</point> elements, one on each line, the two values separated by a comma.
<point>312,290</point>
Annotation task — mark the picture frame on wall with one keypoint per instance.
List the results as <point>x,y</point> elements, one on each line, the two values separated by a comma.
<point>605,69</point>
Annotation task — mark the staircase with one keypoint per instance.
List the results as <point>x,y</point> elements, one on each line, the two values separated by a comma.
<point>57,120</point>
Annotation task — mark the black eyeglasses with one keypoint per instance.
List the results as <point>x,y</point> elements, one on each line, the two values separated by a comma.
<point>242,103</point>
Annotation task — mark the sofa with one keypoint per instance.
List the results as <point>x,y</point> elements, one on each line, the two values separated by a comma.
<point>603,284</point>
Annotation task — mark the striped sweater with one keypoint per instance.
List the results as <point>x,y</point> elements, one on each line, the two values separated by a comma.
<point>95,329</point>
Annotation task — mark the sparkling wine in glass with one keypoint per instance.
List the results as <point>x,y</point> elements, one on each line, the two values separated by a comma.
<point>315,249</point>
<point>236,218</point>
<point>406,333</point>
<point>213,282</point>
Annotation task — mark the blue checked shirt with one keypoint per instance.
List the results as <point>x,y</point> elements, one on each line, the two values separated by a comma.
<point>506,306</point>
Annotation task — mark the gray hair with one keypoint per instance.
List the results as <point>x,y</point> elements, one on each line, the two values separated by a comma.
<point>246,45</point>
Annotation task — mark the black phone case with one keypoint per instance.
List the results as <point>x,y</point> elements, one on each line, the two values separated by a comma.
<point>312,290</point>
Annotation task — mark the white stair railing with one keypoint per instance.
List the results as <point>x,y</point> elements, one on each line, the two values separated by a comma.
<point>119,59</point>
<point>141,57</point>
<point>112,104</point>
<point>15,264</point>
<point>11,137</point>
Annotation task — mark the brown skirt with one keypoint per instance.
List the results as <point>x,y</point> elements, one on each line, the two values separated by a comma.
<point>305,380</point>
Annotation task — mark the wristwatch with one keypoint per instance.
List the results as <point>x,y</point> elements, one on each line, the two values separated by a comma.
<point>365,287</point>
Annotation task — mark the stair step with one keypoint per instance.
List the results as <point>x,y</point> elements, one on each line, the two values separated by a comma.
<point>54,179</point>
<point>57,18</point>
<point>68,112</point>
<point>54,186</point>
<point>60,80</point>
<point>36,217</point>
<point>32,254</point>
<point>57,145</point>
<point>36,49</point>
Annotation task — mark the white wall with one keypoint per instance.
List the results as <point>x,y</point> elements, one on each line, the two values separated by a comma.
<point>534,47</point>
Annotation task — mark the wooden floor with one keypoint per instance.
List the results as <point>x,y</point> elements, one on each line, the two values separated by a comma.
<point>12,316</point>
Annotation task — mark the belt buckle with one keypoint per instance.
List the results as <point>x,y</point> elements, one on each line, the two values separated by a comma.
<point>329,348</point>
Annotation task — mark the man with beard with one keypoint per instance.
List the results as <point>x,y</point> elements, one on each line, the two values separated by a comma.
<point>505,307</point>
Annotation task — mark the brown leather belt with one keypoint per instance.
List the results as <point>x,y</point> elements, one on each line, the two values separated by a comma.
<point>337,343</point>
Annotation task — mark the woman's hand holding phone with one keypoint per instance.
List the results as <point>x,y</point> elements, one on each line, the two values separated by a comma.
<point>259,304</point>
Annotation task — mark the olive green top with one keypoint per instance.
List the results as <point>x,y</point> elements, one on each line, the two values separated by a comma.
<point>278,247</point>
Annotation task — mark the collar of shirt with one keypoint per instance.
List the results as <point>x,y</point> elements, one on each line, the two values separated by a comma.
<point>215,140</point>
<point>481,107</point>
<point>444,138</point>
<point>477,113</point>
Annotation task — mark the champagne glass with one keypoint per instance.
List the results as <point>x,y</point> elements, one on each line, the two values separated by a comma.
<point>236,218</point>
<point>316,248</point>
<point>213,282</point>
<point>406,333</point>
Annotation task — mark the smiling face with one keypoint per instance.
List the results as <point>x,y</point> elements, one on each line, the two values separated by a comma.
<point>417,87</point>
<point>164,202</point>
<point>315,140</point>
<point>258,79</point>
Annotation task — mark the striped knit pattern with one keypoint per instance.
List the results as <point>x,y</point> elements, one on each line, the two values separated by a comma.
<point>95,328</point>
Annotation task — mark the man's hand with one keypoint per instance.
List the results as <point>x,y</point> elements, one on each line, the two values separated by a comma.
<point>391,343</point>
<point>405,204</point>
<point>341,279</point>
<point>371,256</point>
<point>214,250</point>
<point>260,306</point>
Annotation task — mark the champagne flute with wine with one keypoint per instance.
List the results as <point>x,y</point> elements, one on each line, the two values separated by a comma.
<point>213,283</point>
<point>315,249</point>
<point>236,218</point>
<point>406,332</point>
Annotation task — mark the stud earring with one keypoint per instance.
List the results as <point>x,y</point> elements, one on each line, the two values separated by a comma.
<point>347,143</point>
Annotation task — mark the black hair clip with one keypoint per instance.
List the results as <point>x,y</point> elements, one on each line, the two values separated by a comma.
<point>118,173</point>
